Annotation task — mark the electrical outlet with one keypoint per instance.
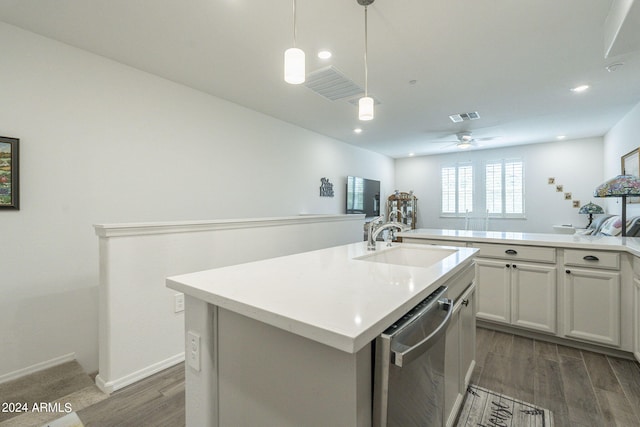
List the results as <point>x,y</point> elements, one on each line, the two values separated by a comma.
<point>178,305</point>
<point>193,350</point>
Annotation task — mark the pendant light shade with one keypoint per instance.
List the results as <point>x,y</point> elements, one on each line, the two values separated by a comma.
<point>294,72</point>
<point>365,110</point>
<point>365,105</point>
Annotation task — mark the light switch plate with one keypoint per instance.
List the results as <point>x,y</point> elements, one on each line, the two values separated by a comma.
<point>193,350</point>
<point>178,305</point>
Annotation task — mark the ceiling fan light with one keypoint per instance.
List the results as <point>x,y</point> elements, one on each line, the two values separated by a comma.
<point>294,72</point>
<point>464,145</point>
<point>365,108</point>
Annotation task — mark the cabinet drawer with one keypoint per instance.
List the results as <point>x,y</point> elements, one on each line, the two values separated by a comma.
<point>596,259</point>
<point>528,253</point>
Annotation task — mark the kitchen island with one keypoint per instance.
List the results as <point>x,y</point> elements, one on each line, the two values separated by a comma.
<point>288,341</point>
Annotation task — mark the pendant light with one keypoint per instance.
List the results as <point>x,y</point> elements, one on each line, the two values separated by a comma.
<point>294,72</point>
<point>365,104</point>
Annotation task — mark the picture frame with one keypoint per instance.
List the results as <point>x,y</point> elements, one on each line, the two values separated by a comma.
<point>630,165</point>
<point>9,173</point>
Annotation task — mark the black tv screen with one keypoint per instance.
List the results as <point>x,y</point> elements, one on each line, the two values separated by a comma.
<point>363,196</point>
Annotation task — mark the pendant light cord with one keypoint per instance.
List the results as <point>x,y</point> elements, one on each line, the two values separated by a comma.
<point>294,23</point>
<point>366,68</point>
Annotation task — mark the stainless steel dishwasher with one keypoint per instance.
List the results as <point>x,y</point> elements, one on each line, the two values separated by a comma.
<point>409,366</point>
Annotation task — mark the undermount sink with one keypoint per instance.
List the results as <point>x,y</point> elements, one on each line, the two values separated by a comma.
<point>409,256</point>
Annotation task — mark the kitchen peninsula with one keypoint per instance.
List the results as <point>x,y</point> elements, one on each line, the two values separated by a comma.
<point>577,290</point>
<point>288,341</point>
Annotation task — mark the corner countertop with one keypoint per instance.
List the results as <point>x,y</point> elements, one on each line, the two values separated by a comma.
<point>576,241</point>
<point>324,295</point>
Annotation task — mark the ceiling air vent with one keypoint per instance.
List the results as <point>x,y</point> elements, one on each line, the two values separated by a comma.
<point>332,84</point>
<point>456,118</point>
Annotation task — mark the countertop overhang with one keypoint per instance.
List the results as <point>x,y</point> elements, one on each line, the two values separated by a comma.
<point>574,241</point>
<point>326,295</point>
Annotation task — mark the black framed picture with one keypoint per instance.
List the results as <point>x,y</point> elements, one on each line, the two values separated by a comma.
<point>9,173</point>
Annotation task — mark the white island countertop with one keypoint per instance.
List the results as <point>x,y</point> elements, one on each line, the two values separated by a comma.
<point>575,241</point>
<point>324,295</point>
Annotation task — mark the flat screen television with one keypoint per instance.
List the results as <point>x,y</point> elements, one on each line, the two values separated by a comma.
<point>363,196</point>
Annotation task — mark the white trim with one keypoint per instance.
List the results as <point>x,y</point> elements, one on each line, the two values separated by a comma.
<point>135,229</point>
<point>111,386</point>
<point>37,367</point>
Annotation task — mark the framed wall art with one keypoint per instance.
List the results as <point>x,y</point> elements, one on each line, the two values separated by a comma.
<point>9,173</point>
<point>630,165</point>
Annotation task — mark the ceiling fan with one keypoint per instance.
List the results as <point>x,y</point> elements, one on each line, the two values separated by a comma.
<point>465,140</point>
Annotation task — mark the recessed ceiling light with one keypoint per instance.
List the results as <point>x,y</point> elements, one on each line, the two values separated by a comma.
<point>580,88</point>
<point>561,136</point>
<point>324,54</point>
<point>412,154</point>
<point>357,130</point>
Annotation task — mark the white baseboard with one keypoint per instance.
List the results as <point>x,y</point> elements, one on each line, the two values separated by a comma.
<point>116,384</point>
<point>37,367</point>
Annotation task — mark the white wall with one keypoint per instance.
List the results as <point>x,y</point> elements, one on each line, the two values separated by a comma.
<point>104,143</point>
<point>576,164</point>
<point>620,140</point>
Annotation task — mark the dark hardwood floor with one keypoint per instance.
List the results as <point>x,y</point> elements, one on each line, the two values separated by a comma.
<point>580,387</point>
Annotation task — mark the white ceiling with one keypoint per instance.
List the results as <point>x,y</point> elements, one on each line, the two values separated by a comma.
<point>512,61</point>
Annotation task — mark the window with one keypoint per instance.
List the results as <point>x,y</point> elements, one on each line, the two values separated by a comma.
<point>501,197</point>
<point>457,189</point>
<point>504,188</point>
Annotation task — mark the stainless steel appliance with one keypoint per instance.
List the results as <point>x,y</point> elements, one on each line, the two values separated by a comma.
<point>409,366</point>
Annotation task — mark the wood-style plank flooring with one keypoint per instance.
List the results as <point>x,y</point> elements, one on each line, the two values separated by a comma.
<point>580,387</point>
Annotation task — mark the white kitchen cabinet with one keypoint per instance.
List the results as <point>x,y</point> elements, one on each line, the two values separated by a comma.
<point>494,290</point>
<point>467,336</point>
<point>461,343</point>
<point>533,296</point>
<point>636,318</point>
<point>592,305</point>
<point>517,293</point>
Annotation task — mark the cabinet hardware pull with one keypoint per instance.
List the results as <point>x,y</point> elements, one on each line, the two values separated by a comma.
<point>511,252</point>
<point>507,265</point>
<point>514,266</point>
<point>465,302</point>
<point>568,271</point>
<point>591,258</point>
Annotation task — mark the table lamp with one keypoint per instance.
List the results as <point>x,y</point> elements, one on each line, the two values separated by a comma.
<point>620,186</point>
<point>590,209</point>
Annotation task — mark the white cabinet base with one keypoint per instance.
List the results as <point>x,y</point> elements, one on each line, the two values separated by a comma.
<point>255,374</point>
<point>636,318</point>
<point>592,305</point>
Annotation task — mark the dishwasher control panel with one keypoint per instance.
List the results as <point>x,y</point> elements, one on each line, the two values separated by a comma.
<point>416,311</point>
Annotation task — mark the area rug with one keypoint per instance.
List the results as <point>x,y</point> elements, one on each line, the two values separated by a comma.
<point>486,408</point>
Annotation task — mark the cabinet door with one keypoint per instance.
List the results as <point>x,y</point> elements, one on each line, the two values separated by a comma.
<point>533,296</point>
<point>467,337</point>
<point>636,317</point>
<point>592,305</point>
<point>493,292</point>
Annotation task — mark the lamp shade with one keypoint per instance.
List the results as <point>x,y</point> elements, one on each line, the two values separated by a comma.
<point>365,111</point>
<point>294,72</point>
<point>621,185</point>
<point>591,208</point>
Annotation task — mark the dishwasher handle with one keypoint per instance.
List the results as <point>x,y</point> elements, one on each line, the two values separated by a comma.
<point>401,354</point>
